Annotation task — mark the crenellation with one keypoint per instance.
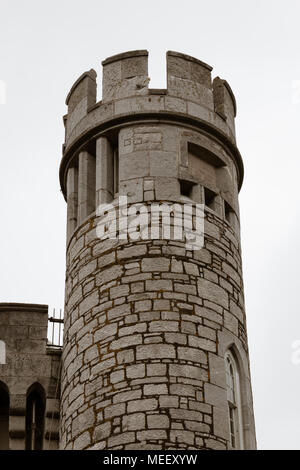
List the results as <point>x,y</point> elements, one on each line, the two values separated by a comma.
<point>224,101</point>
<point>125,75</point>
<point>80,99</point>
<point>189,78</point>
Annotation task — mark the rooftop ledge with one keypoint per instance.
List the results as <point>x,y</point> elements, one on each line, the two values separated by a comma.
<point>14,307</point>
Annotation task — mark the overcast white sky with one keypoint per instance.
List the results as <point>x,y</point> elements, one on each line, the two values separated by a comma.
<point>255,46</point>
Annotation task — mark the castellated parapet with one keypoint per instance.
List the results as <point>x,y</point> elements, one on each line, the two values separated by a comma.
<point>152,328</point>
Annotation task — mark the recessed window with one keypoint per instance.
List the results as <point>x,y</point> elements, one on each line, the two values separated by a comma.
<point>116,169</point>
<point>186,188</point>
<point>4,417</point>
<point>229,213</point>
<point>234,402</point>
<point>209,197</point>
<point>111,180</point>
<point>35,415</point>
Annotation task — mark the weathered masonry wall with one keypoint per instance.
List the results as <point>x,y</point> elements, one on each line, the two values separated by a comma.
<point>148,322</point>
<point>30,364</point>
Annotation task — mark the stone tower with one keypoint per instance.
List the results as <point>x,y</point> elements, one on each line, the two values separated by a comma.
<point>155,348</point>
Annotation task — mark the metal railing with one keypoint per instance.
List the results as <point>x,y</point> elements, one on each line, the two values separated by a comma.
<point>55,329</point>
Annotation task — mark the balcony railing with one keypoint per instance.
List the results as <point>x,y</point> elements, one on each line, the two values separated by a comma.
<point>56,329</point>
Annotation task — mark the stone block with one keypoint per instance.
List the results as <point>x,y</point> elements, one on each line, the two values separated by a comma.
<point>83,421</point>
<point>88,303</point>
<point>134,165</point>
<point>132,252</point>
<point>125,357</point>
<point>158,421</point>
<point>133,422</point>
<point>132,189</point>
<point>168,401</point>
<point>114,410</point>
<point>156,370</point>
<point>117,376</point>
<point>215,395</point>
<point>142,306</point>
<point>146,404</point>
<point>127,396</point>
<point>159,285</point>
<point>105,332</point>
<point>202,343</point>
<point>109,274</point>
<point>191,354</point>
<point>126,342</point>
<point>167,188</point>
<point>161,326</point>
<point>155,351</point>
<point>155,389</point>
<point>182,390</point>
<point>178,370</point>
<point>182,437</point>
<point>151,435</point>
<point>119,291</point>
<point>82,441</point>
<point>135,371</point>
<point>175,338</point>
<point>155,264</point>
<point>213,444</point>
<point>163,163</point>
<point>212,292</point>
<point>121,439</point>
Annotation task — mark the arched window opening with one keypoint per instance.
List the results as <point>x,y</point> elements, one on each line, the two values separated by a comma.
<point>35,413</point>
<point>4,417</point>
<point>234,402</point>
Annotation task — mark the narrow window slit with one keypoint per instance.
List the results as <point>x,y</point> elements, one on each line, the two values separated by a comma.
<point>210,198</point>
<point>229,213</point>
<point>35,416</point>
<point>4,417</point>
<point>186,188</point>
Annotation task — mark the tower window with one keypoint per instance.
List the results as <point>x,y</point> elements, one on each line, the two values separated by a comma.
<point>209,197</point>
<point>116,169</point>
<point>4,417</point>
<point>35,412</point>
<point>234,402</point>
<point>229,213</point>
<point>186,188</point>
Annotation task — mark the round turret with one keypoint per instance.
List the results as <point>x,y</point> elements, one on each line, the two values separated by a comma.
<point>155,347</point>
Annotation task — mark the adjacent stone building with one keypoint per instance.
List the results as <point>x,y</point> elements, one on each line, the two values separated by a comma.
<point>155,352</point>
<point>29,378</point>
